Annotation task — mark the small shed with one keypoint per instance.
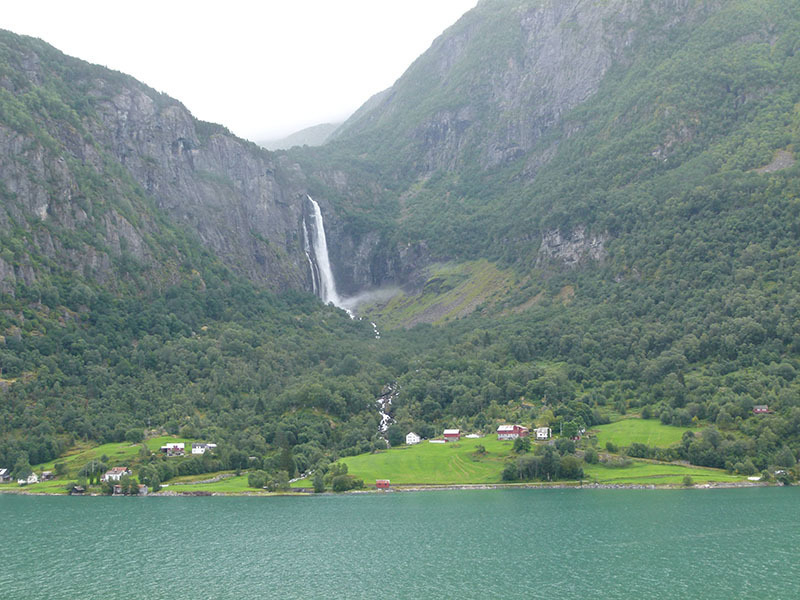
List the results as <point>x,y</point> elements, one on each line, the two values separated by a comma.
<point>382,484</point>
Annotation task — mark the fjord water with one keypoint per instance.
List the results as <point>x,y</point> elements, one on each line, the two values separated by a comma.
<point>739,543</point>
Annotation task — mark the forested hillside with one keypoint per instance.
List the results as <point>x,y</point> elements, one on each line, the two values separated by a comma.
<point>621,175</point>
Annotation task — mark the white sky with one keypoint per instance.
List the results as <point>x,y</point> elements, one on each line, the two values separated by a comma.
<point>263,69</point>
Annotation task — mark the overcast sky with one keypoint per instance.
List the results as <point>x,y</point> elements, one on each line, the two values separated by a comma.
<point>263,69</point>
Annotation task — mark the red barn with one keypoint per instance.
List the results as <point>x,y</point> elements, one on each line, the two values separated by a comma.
<point>511,432</point>
<point>452,435</point>
<point>382,484</point>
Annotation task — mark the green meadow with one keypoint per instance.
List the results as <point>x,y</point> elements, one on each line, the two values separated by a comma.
<point>642,472</point>
<point>649,432</point>
<point>432,464</point>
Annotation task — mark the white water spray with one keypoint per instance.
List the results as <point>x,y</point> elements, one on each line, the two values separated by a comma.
<point>327,285</point>
<point>311,265</point>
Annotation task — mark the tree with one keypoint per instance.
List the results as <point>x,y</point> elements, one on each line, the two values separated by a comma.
<point>22,468</point>
<point>570,467</point>
<point>522,445</point>
<point>257,479</point>
<point>319,482</point>
<point>134,436</point>
<point>395,436</point>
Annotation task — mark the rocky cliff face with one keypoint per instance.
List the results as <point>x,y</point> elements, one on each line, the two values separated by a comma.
<point>139,147</point>
<point>221,187</point>
<point>493,86</point>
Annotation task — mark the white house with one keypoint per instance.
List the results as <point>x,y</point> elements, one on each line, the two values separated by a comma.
<point>32,478</point>
<point>543,433</point>
<point>200,447</point>
<point>412,438</point>
<point>116,473</point>
<point>5,475</point>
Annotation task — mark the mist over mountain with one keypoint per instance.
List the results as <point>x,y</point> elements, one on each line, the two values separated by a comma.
<point>595,204</point>
<point>316,135</point>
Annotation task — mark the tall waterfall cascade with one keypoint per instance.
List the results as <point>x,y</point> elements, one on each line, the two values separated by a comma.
<point>316,247</point>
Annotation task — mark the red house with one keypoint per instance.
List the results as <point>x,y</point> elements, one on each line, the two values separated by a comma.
<point>511,432</point>
<point>382,484</point>
<point>760,409</point>
<point>452,435</point>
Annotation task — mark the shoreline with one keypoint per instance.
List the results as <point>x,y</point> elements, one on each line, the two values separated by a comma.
<point>430,488</point>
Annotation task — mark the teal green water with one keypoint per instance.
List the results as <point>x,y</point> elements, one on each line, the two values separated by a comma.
<point>740,543</point>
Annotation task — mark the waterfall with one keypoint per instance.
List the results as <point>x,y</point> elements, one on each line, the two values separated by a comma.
<point>324,284</point>
<point>311,265</point>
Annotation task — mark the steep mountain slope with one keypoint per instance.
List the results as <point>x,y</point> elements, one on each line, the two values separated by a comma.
<point>75,136</point>
<point>522,133</point>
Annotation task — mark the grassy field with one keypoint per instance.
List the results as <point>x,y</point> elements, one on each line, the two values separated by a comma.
<point>644,431</point>
<point>451,291</point>
<point>644,472</point>
<point>229,485</point>
<point>427,463</point>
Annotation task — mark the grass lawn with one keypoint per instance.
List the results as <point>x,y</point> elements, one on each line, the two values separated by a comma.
<point>644,472</point>
<point>427,463</point>
<point>650,432</point>
<point>229,485</point>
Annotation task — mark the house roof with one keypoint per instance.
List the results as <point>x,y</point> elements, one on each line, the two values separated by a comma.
<point>452,432</point>
<point>118,470</point>
<point>3,472</point>
<point>506,428</point>
<point>761,407</point>
<point>411,433</point>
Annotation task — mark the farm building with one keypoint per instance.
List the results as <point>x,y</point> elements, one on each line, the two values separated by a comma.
<point>202,447</point>
<point>382,484</point>
<point>452,435</point>
<point>543,433</point>
<point>412,438</point>
<point>174,449</point>
<point>116,473</point>
<point>511,432</point>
